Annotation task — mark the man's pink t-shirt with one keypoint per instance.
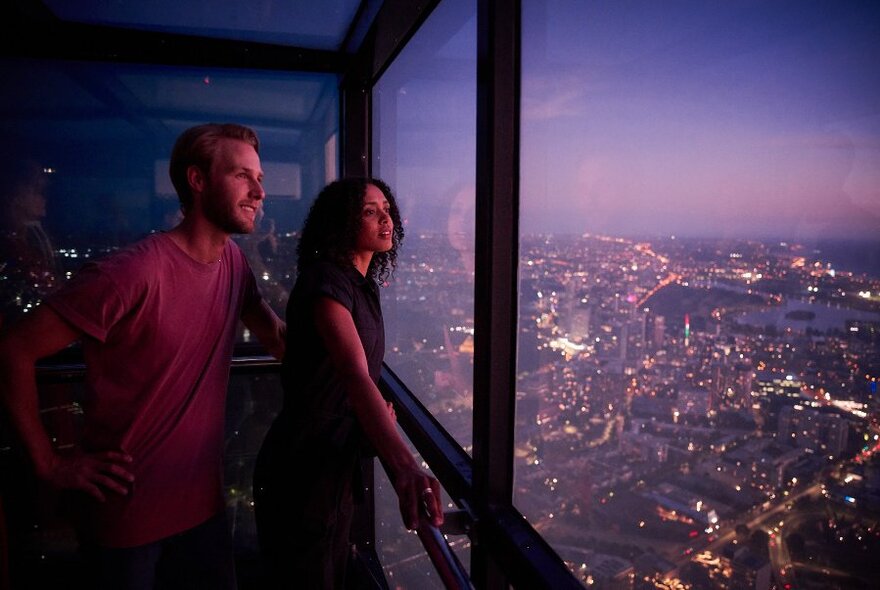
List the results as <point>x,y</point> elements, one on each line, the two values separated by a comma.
<point>159,330</point>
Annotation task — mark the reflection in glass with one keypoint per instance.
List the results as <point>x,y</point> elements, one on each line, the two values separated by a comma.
<point>28,265</point>
<point>424,144</point>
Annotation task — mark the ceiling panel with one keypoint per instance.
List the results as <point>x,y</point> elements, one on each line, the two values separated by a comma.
<point>300,23</point>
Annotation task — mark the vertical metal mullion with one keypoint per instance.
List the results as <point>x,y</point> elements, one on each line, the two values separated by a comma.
<point>354,123</point>
<point>394,24</point>
<point>354,156</point>
<point>497,241</point>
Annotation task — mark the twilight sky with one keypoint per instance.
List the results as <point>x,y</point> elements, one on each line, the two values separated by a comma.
<point>731,118</point>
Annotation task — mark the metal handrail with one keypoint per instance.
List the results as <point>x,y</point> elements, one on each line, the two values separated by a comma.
<point>450,464</point>
<point>530,562</point>
<point>451,571</point>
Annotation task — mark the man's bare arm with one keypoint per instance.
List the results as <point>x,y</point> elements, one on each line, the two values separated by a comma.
<point>267,327</point>
<point>21,346</point>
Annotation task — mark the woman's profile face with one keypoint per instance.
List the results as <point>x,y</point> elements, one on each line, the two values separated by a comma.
<point>376,226</point>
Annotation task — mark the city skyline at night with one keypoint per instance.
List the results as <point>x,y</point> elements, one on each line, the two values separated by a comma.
<point>654,378</point>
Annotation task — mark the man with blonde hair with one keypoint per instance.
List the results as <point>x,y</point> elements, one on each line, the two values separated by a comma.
<point>157,323</point>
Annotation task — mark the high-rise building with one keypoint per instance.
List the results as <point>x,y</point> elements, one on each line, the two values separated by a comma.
<point>825,433</point>
<point>579,321</point>
<point>658,331</point>
<point>742,384</point>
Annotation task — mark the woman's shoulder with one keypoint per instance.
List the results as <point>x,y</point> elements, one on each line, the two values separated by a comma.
<point>326,279</point>
<point>325,271</point>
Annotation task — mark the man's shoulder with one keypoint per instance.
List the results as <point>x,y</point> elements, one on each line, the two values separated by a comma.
<point>148,244</point>
<point>151,247</point>
<point>133,264</point>
<point>108,284</point>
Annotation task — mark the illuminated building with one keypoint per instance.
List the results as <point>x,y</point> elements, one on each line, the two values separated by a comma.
<point>824,432</point>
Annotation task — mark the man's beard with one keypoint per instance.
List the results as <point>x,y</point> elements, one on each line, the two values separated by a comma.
<point>224,217</point>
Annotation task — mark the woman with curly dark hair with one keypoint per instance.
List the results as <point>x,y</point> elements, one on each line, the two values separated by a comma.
<point>307,473</point>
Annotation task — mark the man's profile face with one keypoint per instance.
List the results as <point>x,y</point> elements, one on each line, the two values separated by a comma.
<point>233,193</point>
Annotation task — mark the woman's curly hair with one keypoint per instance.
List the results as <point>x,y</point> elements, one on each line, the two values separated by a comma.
<point>334,219</point>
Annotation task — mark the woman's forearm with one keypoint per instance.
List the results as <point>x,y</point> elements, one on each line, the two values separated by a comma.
<point>372,413</point>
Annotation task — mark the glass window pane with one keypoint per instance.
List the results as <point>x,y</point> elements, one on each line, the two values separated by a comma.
<point>102,134</point>
<point>700,288</point>
<point>424,111</point>
<point>424,114</point>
